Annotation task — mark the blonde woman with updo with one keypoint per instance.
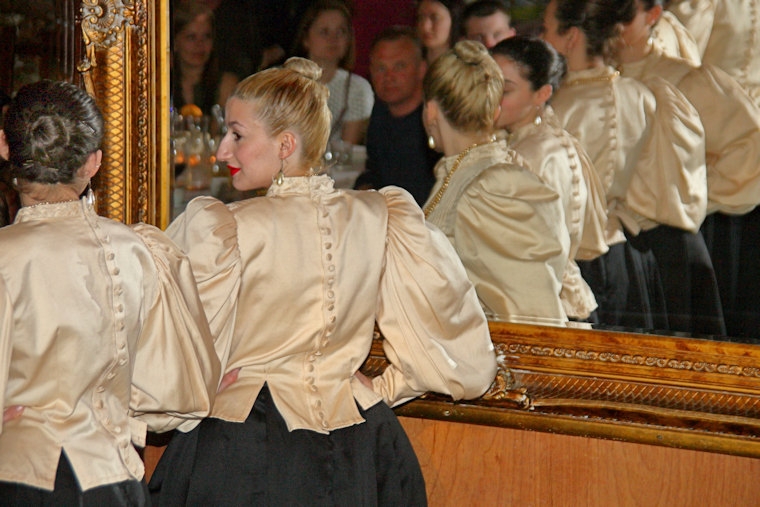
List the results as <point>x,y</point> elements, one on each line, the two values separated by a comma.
<point>506,223</point>
<point>293,283</point>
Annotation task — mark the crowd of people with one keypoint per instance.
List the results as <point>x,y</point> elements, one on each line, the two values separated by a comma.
<point>605,172</point>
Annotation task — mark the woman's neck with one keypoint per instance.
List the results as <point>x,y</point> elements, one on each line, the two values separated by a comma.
<point>455,141</point>
<point>433,53</point>
<point>43,193</point>
<point>634,52</point>
<point>329,68</point>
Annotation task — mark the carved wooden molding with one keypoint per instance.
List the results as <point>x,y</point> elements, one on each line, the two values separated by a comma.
<point>125,66</point>
<point>666,391</point>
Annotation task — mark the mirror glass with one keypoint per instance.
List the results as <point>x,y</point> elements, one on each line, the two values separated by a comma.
<point>196,132</point>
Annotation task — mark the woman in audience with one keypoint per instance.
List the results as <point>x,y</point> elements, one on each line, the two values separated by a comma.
<point>326,36</point>
<point>732,141</point>
<point>293,284</point>
<point>438,26</point>
<point>532,71</point>
<point>103,335</point>
<point>647,146</point>
<point>195,76</point>
<point>507,224</point>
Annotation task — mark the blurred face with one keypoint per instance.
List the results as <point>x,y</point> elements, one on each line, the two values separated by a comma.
<point>328,37</point>
<point>489,30</point>
<point>519,103</point>
<point>397,70</point>
<point>251,153</point>
<point>639,30</point>
<point>549,30</point>
<point>433,24</point>
<point>193,44</point>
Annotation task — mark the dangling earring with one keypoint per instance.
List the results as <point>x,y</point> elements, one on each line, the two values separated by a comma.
<point>537,120</point>
<point>90,195</point>
<point>431,142</point>
<point>279,178</point>
<point>15,182</point>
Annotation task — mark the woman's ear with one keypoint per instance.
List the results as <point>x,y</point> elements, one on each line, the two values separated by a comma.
<point>288,144</point>
<point>92,165</point>
<point>542,95</point>
<point>4,150</point>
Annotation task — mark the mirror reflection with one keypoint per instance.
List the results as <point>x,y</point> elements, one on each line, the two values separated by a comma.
<point>680,243</point>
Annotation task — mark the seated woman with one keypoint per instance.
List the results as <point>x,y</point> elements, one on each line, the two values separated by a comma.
<point>195,75</point>
<point>103,335</point>
<point>532,71</point>
<point>506,223</point>
<point>732,143</point>
<point>293,283</point>
<point>647,145</point>
<point>326,36</point>
<point>438,26</point>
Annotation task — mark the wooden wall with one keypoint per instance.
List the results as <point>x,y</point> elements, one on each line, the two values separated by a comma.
<point>483,466</point>
<point>469,465</point>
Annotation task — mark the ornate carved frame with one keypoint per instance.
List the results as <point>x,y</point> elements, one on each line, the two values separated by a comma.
<point>677,392</point>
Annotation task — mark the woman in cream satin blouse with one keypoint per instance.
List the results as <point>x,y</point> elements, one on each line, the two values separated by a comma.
<point>532,70</point>
<point>732,143</point>
<point>293,283</point>
<point>647,145</point>
<point>726,34</point>
<point>102,333</point>
<point>506,223</point>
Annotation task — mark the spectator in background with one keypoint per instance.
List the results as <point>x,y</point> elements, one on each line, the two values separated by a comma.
<point>488,22</point>
<point>397,149</point>
<point>374,16</point>
<point>195,73</point>
<point>326,36</point>
<point>9,203</point>
<point>438,26</point>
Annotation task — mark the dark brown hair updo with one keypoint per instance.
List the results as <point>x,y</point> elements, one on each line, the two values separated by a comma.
<point>51,128</point>
<point>600,20</point>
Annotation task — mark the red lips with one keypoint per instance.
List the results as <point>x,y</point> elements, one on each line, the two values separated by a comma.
<point>233,170</point>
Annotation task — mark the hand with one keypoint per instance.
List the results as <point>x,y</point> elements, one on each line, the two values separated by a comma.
<point>12,413</point>
<point>228,379</point>
<point>363,379</point>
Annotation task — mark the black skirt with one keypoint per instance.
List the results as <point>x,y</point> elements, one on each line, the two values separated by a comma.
<point>67,492</point>
<point>260,462</point>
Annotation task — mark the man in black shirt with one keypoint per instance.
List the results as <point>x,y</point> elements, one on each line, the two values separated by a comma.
<point>397,150</point>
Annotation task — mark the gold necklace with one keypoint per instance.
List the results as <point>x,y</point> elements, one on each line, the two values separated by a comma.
<point>439,195</point>
<point>596,79</point>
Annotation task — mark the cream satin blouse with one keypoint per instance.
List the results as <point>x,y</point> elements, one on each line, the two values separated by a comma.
<point>731,122</point>
<point>508,227</point>
<point>102,335</point>
<point>557,158</point>
<point>293,283</point>
<point>675,40</point>
<point>646,143</point>
<point>727,35</point>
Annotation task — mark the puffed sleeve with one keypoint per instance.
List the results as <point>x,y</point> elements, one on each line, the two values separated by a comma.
<point>6,318</point>
<point>732,136</point>
<point>176,371</point>
<point>207,233</point>
<point>669,185</point>
<point>436,335</point>
<point>512,237</point>
<point>698,16</point>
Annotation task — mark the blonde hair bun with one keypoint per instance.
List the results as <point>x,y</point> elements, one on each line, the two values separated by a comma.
<point>471,52</point>
<point>304,66</point>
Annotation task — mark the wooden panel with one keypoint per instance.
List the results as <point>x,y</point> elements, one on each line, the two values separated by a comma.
<point>466,464</point>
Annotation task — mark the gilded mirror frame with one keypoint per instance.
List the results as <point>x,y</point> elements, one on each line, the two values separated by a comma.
<point>685,393</point>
